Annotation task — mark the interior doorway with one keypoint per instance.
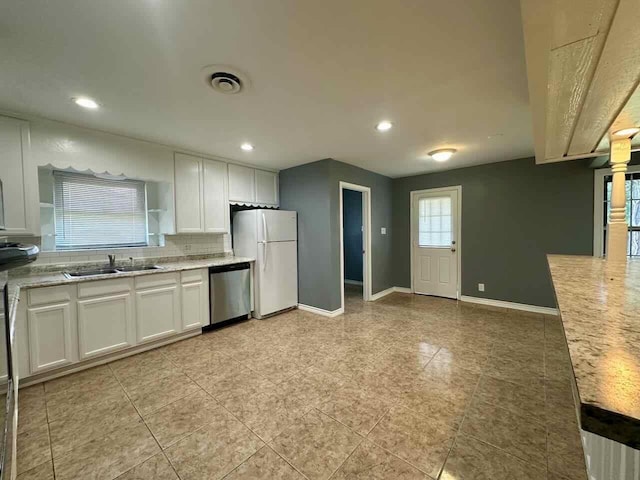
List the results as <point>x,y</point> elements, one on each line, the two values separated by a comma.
<point>436,242</point>
<point>355,234</point>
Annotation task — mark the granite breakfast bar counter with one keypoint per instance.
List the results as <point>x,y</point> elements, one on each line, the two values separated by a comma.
<point>599,303</point>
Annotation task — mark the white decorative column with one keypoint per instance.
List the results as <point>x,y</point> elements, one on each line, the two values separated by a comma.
<point>617,237</point>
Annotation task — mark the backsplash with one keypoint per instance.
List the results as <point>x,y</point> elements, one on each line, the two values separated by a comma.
<point>175,246</point>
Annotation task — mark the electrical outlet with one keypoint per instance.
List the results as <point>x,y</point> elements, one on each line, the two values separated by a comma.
<point>481,287</point>
<point>187,247</point>
<point>383,231</point>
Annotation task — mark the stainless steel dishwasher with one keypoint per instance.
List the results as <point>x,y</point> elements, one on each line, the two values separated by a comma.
<point>229,292</point>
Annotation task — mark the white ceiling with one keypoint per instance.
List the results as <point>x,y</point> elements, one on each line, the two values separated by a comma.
<point>447,73</point>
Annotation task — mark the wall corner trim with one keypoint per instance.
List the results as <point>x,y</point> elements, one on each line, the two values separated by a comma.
<point>321,311</point>
<point>384,293</point>
<point>511,305</point>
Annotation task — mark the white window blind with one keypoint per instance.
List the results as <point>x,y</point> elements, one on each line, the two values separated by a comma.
<point>435,222</point>
<point>92,212</point>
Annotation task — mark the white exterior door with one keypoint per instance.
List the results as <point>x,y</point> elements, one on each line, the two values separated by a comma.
<point>435,243</point>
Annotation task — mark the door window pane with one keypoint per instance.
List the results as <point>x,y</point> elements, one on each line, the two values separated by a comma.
<point>434,222</point>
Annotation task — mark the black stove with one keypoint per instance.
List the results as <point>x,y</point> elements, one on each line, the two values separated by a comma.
<point>16,254</point>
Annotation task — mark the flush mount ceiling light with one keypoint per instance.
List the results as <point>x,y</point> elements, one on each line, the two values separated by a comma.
<point>626,132</point>
<point>247,147</point>
<point>384,126</point>
<point>86,102</point>
<point>442,154</point>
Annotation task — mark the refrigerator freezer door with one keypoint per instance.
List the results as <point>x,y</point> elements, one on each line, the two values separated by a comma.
<point>277,274</point>
<point>276,226</point>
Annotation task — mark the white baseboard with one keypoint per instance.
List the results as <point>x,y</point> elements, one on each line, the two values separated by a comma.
<point>384,293</point>
<point>402,290</point>
<point>512,305</point>
<point>352,282</point>
<point>321,311</point>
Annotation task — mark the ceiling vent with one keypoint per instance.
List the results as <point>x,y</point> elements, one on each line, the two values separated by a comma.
<point>225,79</point>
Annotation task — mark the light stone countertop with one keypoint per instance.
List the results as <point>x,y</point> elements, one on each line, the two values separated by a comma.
<point>46,276</point>
<point>599,303</point>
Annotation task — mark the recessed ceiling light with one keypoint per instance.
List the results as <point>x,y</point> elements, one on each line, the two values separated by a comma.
<point>247,147</point>
<point>384,126</point>
<point>442,154</point>
<point>86,102</point>
<point>626,132</point>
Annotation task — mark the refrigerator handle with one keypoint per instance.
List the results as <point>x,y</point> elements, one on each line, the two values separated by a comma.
<point>264,227</point>
<point>264,256</point>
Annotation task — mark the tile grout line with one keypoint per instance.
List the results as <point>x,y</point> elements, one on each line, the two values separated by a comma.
<point>142,421</point>
<point>464,416</point>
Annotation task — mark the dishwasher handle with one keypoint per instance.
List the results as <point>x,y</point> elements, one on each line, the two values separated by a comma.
<point>230,268</point>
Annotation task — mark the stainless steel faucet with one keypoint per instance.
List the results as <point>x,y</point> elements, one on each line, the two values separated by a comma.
<point>112,260</point>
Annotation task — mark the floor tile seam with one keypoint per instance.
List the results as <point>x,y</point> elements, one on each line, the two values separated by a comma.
<point>140,378</point>
<point>154,412</point>
<point>160,407</point>
<point>522,416</point>
<point>385,449</point>
<point>136,465</point>
<point>226,475</point>
<point>243,424</point>
<point>173,442</point>
<point>396,455</point>
<point>45,461</point>
<point>128,397</point>
<point>281,455</point>
<point>541,466</point>
<point>285,460</point>
<point>362,439</point>
<point>459,429</point>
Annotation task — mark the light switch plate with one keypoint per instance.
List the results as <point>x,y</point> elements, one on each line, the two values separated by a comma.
<point>481,287</point>
<point>383,231</point>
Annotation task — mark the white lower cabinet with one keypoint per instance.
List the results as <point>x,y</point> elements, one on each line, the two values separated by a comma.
<point>61,325</point>
<point>105,324</point>
<point>195,298</point>
<point>158,309</point>
<point>51,326</point>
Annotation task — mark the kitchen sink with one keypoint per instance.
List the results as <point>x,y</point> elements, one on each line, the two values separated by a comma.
<point>138,268</point>
<point>108,271</point>
<point>89,273</point>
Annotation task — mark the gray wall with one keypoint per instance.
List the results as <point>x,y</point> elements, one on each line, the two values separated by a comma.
<point>313,191</point>
<point>352,234</point>
<point>305,189</point>
<point>513,214</point>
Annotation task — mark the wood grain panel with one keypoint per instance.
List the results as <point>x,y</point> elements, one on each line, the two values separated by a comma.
<point>615,79</point>
<point>579,34</point>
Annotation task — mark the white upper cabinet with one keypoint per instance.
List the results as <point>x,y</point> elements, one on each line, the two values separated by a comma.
<point>14,173</point>
<point>188,187</point>
<point>266,187</point>
<point>242,184</point>
<point>201,195</point>
<point>215,195</point>
<point>249,185</point>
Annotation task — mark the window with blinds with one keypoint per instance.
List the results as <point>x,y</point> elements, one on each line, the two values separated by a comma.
<point>92,212</point>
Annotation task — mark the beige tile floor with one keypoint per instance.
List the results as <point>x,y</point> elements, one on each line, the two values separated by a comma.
<point>406,387</point>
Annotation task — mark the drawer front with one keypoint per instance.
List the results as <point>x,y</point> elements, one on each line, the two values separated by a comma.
<point>103,287</point>
<point>193,276</point>
<point>156,280</point>
<point>49,295</point>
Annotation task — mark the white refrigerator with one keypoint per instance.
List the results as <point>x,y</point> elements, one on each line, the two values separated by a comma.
<point>271,237</point>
